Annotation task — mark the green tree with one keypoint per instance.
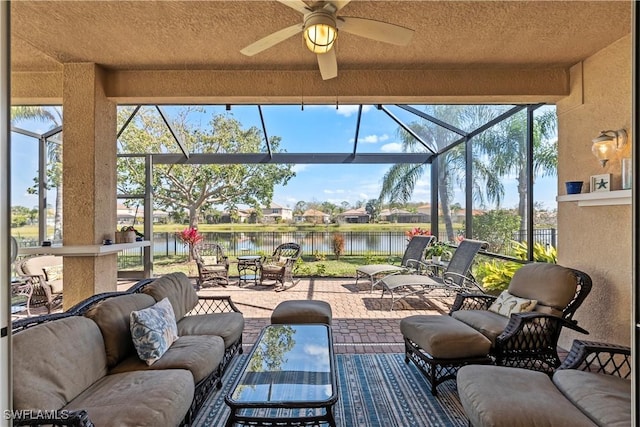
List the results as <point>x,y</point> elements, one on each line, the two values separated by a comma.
<point>496,227</point>
<point>52,116</point>
<point>498,152</point>
<point>192,187</point>
<point>373,208</point>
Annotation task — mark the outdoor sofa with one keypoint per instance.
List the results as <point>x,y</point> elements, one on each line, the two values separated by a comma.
<point>592,387</point>
<point>82,368</point>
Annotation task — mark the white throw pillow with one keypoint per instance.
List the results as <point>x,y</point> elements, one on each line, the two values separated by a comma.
<point>153,330</point>
<point>507,304</point>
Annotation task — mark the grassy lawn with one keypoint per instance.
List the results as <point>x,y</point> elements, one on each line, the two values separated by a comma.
<point>307,267</point>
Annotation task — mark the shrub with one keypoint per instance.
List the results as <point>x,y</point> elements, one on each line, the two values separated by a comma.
<point>337,243</point>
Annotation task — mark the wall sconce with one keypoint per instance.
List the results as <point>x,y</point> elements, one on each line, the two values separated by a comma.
<point>607,143</point>
<point>320,31</point>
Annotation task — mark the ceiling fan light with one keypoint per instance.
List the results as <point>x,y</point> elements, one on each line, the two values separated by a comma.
<point>320,32</point>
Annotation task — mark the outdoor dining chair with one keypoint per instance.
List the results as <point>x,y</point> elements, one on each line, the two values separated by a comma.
<point>413,254</point>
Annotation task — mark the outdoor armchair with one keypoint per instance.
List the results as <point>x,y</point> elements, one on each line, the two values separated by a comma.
<point>527,339</point>
<point>41,284</point>
<point>279,266</point>
<point>213,265</point>
<point>413,254</point>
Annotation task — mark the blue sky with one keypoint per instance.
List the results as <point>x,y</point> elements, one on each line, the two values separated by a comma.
<point>315,129</point>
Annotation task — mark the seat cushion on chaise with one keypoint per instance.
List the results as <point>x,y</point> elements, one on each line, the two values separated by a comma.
<point>498,396</point>
<point>487,322</point>
<point>444,337</point>
<point>229,326</point>
<point>606,399</point>
<point>199,354</point>
<point>178,288</point>
<point>112,317</point>
<point>141,399</point>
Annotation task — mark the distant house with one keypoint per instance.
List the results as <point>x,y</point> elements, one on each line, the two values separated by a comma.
<point>135,215</point>
<point>354,216</point>
<point>242,215</point>
<point>402,216</point>
<point>277,213</point>
<point>314,216</point>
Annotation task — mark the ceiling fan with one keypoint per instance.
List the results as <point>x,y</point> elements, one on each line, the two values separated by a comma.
<point>321,26</point>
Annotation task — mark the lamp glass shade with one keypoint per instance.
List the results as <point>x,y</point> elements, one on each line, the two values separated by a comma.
<point>603,150</point>
<point>320,37</point>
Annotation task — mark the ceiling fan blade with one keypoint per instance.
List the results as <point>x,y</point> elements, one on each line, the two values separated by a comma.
<point>271,40</point>
<point>298,5</point>
<point>328,64</point>
<point>376,30</point>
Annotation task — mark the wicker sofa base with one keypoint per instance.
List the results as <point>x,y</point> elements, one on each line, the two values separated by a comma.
<point>437,370</point>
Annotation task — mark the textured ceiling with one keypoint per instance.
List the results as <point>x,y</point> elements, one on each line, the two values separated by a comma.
<point>208,35</point>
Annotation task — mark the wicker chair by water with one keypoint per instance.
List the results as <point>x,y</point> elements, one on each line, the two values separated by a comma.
<point>279,266</point>
<point>412,255</point>
<point>213,265</point>
<point>454,277</point>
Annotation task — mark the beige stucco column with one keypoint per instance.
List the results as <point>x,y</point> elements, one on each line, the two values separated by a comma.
<point>89,180</point>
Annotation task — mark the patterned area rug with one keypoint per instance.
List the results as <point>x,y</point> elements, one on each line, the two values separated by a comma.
<point>376,390</point>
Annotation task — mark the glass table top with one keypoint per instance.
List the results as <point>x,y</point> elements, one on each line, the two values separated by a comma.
<point>289,363</point>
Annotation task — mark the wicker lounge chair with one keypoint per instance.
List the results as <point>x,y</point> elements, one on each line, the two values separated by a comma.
<point>452,277</point>
<point>520,330</point>
<point>279,266</point>
<point>213,265</point>
<point>412,255</point>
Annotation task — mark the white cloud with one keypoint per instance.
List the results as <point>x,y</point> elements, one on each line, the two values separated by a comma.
<point>374,139</point>
<point>326,191</point>
<point>349,110</point>
<point>299,168</point>
<point>393,147</point>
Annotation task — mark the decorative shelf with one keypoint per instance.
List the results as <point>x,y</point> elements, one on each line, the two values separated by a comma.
<point>599,198</point>
<point>82,250</point>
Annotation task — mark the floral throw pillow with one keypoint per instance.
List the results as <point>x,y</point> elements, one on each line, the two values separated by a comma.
<point>153,330</point>
<point>507,304</point>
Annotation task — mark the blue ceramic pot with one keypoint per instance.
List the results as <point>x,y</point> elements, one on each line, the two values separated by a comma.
<point>574,187</point>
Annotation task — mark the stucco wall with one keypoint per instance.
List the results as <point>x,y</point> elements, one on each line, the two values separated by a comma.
<point>597,239</point>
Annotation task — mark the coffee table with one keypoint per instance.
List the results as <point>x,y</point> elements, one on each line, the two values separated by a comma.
<point>289,378</point>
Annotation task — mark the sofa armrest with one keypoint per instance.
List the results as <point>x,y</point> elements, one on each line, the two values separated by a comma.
<point>213,304</point>
<point>466,301</point>
<point>56,418</point>
<point>599,357</point>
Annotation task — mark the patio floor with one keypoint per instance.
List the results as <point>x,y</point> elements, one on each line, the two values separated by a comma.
<point>362,321</point>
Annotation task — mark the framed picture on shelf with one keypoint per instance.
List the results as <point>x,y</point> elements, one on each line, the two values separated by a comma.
<point>601,182</point>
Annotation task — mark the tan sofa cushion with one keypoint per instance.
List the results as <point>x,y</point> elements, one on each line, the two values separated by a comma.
<point>55,361</point>
<point>606,399</point>
<point>489,323</point>
<point>229,326</point>
<point>199,354</point>
<point>496,396</point>
<point>178,288</point>
<point>141,399</point>
<point>112,317</point>
<point>550,284</point>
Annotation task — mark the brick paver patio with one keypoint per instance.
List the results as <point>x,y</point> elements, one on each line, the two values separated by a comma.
<point>362,321</point>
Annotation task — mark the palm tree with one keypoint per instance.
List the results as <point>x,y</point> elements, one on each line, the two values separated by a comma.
<point>498,152</point>
<point>53,117</point>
